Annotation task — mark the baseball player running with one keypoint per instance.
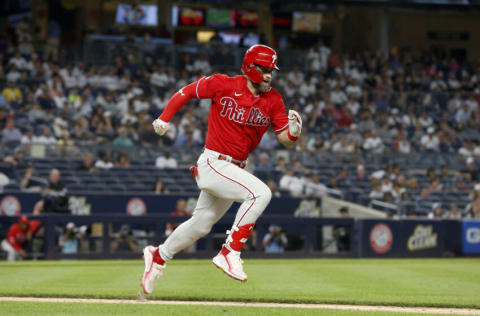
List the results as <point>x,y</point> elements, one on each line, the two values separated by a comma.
<point>243,108</point>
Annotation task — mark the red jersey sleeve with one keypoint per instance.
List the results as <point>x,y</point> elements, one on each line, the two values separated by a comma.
<point>203,88</point>
<point>279,116</point>
<point>207,87</point>
<point>11,237</point>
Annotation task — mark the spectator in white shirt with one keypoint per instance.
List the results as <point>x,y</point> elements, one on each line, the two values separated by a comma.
<point>353,89</point>
<point>337,96</point>
<point>46,138</point>
<point>166,161</point>
<point>376,193</point>
<point>13,75</point>
<point>403,145</point>
<point>373,143</point>
<point>463,114</point>
<point>313,187</point>
<point>292,183</point>
<point>430,141</point>
<point>104,161</point>
<point>343,146</point>
<point>18,61</point>
<point>472,103</point>
<point>425,120</point>
<point>202,65</point>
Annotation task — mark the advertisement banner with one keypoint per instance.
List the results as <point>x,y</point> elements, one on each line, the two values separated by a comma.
<point>471,237</point>
<point>407,238</point>
<point>144,204</point>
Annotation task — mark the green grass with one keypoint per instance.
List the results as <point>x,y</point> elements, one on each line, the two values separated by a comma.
<point>400,282</point>
<point>33,309</point>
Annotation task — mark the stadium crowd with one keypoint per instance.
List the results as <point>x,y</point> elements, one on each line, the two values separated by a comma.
<point>354,106</point>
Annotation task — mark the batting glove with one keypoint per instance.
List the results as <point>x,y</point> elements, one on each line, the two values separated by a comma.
<point>294,123</point>
<point>160,126</point>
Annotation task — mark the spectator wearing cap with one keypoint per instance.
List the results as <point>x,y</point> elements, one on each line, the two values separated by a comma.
<point>19,234</point>
<point>430,142</point>
<point>437,211</point>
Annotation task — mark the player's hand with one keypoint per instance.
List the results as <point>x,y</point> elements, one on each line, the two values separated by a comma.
<point>294,123</point>
<point>160,126</point>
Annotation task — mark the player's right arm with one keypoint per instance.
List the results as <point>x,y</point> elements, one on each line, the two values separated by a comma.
<point>203,88</point>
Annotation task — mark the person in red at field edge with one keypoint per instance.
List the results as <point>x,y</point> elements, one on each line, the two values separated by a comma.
<point>18,234</point>
<point>243,108</point>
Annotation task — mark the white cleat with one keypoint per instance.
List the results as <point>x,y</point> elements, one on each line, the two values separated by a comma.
<point>152,270</point>
<point>231,264</point>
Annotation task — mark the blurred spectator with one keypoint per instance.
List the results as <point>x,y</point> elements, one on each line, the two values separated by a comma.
<point>273,187</point>
<point>291,183</point>
<point>166,161</point>
<point>30,182</point>
<point>17,160</point>
<point>437,211</point>
<point>453,213</point>
<point>373,143</point>
<point>376,193</point>
<point>181,210</point>
<point>264,163</point>
<point>18,235</point>
<point>46,138</point>
<point>313,187</point>
<point>160,187</point>
<point>122,139</point>
<point>72,240</point>
<point>87,164</point>
<point>124,240</point>
<point>470,171</point>
<point>12,93</point>
<point>430,142</point>
<point>341,233</point>
<point>275,241</point>
<point>103,162</point>
<point>11,134</point>
<point>122,161</point>
<point>55,198</point>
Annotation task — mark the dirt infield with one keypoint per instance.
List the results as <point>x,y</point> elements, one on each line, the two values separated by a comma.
<point>424,310</point>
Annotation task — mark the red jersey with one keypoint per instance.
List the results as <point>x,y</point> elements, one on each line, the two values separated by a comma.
<point>238,119</point>
<point>16,237</point>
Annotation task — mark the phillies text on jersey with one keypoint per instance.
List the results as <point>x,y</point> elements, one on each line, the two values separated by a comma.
<point>238,119</point>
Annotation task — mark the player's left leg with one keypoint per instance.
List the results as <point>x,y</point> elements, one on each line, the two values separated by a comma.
<point>12,254</point>
<point>208,211</point>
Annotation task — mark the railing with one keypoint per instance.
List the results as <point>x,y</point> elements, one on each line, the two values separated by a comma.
<point>306,234</point>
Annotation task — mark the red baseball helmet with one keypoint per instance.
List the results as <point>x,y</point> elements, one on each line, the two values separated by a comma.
<point>261,55</point>
<point>23,219</point>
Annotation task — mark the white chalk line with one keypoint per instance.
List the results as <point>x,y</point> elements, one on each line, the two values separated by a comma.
<point>424,310</point>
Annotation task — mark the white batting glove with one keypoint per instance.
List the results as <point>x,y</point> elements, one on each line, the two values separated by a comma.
<point>160,126</point>
<point>294,123</point>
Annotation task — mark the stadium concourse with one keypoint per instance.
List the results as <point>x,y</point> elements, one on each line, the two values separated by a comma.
<point>396,132</point>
